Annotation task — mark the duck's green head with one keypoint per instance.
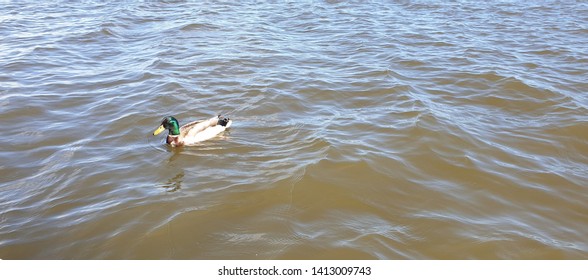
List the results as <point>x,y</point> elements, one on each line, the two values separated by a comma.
<point>171,124</point>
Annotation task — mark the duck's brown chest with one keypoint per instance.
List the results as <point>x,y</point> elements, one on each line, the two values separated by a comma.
<point>174,141</point>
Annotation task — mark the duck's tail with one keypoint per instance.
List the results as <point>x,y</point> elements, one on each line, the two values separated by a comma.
<point>226,122</point>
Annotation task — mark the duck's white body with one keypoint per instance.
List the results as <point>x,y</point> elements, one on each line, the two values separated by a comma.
<point>198,131</point>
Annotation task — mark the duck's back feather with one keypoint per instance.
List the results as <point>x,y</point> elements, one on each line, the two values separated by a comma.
<point>199,131</point>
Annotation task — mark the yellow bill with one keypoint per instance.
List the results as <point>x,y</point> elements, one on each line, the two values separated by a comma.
<point>158,130</point>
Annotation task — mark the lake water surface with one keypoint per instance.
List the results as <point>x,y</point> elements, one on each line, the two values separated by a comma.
<point>362,130</point>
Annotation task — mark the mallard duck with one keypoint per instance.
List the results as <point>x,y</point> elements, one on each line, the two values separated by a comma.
<point>194,132</point>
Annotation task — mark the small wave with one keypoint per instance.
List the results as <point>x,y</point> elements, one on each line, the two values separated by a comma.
<point>107,32</point>
<point>198,27</point>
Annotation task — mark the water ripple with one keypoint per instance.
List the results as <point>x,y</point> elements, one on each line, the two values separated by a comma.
<point>361,130</point>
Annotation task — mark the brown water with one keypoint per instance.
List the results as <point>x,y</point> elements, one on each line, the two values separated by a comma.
<point>384,130</point>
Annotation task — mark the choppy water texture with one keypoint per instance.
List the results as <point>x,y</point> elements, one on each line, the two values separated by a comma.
<point>365,130</point>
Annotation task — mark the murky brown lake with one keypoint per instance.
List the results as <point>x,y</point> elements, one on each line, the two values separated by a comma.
<point>363,130</point>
